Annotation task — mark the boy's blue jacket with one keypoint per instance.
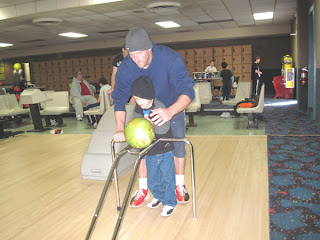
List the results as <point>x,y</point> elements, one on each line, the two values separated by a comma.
<point>167,71</point>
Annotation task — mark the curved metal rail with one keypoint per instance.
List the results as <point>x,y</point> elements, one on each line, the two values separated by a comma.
<point>113,171</point>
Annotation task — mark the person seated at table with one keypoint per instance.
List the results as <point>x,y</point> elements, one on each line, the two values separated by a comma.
<point>211,68</point>
<point>81,94</point>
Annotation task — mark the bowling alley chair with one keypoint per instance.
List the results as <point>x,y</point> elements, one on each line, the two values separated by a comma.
<point>104,106</point>
<point>194,106</point>
<point>205,94</point>
<point>251,111</point>
<point>54,109</point>
<point>243,92</point>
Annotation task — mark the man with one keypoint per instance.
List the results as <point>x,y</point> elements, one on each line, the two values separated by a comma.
<point>81,94</point>
<point>256,76</point>
<point>173,86</point>
<point>116,63</point>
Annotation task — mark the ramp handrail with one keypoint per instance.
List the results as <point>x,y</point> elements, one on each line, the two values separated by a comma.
<point>113,171</point>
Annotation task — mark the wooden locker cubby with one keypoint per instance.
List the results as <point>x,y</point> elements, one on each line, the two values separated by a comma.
<point>198,52</point>
<point>246,77</point>
<point>217,52</point>
<point>236,59</point>
<point>68,63</point>
<point>227,51</point>
<point>206,61</point>
<point>218,61</point>
<point>181,52</point>
<point>189,53</point>
<point>246,68</point>
<point>236,69</point>
<point>198,62</point>
<point>247,58</point>
<point>236,50</point>
<point>227,59</point>
<point>190,62</point>
<point>246,49</point>
<point>208,53</point>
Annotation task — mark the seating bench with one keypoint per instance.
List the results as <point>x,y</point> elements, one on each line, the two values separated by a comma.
<point>58,105</point>
<point>194,106</point>
<point>251,111</point>
<point>104,106</point>
<point>205,94</point>
<point>9,106</point>
<point>243,92</point>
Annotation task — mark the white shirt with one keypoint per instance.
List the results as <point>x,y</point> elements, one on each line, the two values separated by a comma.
<point>211,69</point>
<point>104,88</point>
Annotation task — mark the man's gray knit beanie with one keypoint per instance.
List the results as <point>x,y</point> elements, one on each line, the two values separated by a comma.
<point>137,40</point>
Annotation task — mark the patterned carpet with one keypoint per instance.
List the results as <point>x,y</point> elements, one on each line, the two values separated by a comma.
<point>294,173</point>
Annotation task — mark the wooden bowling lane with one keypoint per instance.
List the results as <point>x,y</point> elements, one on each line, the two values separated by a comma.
<point>42,195</point>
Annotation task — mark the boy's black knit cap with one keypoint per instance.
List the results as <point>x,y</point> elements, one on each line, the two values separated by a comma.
<point>137,40</point>
<point>142,87</point>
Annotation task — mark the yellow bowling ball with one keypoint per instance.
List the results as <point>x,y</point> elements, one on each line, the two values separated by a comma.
<point>70,85</point>
<point>17,66</point>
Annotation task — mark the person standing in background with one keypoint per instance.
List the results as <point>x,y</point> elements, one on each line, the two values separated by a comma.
<point>256,76</point>
<point>115,65</point>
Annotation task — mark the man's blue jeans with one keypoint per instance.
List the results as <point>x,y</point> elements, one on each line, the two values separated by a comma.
<point>161,178</point>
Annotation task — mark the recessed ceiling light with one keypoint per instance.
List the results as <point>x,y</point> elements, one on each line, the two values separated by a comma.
<point>6,44</point>
<point>106,1</point>
<point>73,35</point>
<point>168,24</point>
<point>263,16</point>
<point>47,21</point>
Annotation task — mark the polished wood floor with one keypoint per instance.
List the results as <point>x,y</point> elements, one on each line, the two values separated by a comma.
<point>42,195</point>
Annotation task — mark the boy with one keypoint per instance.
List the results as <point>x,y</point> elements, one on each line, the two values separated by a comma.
<point>227,78</point>
<point>104,87</point>
<point>159,160</point>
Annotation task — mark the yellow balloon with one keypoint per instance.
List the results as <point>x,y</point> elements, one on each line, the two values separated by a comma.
<point>17,66</point>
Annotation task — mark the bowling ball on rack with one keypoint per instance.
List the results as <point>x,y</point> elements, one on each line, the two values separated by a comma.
<point>17,66</point>
<point>139,133</point>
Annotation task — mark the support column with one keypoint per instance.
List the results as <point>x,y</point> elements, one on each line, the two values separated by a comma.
<point>302,51</point>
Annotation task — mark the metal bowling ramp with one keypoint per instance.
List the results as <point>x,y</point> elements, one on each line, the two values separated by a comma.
<point>113,172</point>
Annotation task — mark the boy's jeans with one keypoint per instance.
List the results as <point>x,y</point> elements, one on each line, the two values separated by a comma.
<point>161,177</point>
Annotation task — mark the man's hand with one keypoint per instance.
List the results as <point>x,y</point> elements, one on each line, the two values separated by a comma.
<point>119,136</point>
<point>110,97</point>
<point>160,116</point>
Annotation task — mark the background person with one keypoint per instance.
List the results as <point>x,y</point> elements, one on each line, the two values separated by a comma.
<point>256,76</point>
<point>227,78</point>
<point>104,87</point>
<point>116,63</point>
<point>81,94</point>
<point>173,87</point>
<point>211,68</point>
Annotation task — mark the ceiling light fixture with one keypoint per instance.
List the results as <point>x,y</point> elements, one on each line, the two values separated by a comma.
<point>47,21</point>
<point>161,7</point>
<point>6,44</point>
<point>73,35</point>
<point>168,24</point>
<point>106,1</point>
<point>263,15</point>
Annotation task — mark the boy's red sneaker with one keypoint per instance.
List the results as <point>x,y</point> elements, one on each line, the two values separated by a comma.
<point>182,194</point>
<point>138,197</point>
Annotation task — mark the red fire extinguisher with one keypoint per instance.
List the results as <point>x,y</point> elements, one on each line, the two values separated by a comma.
<point>303,77</point>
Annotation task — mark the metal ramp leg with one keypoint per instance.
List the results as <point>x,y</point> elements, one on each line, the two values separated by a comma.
<point>134,173</point>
